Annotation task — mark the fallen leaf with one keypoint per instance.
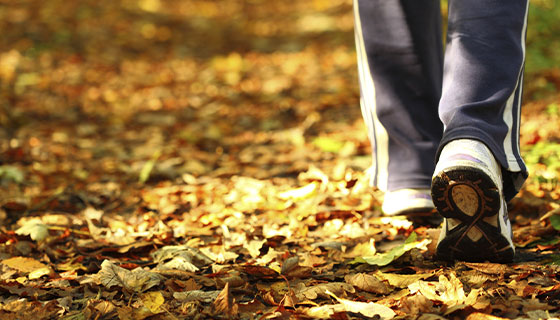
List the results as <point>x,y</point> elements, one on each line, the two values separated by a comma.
<point>368,309</point>
<point>254,247</point>
<point>368,283</point>
<point>365,249</point>
<point>325,311</point>
<point>180,258</point>
<point>311,260</point>
<point>320,290</point>
<point>196,295</point>
<point>483,316</point>
<point>401,280</point>
<point>29,266</point>
<point>449,291</point>
<point>137,280</point>
<point>301,193</point>
<point>153,301</point>
<point>224,303</point>
<point>34,229</point>
<point>383,259</point>
<point>289,264</point>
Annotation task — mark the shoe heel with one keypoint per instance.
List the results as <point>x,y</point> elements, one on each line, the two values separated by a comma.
<point>464,192</point>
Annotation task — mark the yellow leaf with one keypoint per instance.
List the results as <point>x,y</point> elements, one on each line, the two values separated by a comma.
<point>299,193</point>
<point>153,301</point>
<point>23,264</point>
<point>36,274</point>
<point>369,309</point>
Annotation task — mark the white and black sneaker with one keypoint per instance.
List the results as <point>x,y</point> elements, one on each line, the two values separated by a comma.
<point>407,201</point>
<point>467,192</point>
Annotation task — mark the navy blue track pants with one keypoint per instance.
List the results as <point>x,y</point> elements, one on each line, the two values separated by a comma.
<point>415,97</point>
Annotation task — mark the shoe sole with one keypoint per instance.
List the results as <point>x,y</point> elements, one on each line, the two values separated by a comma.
<point>469,195</point>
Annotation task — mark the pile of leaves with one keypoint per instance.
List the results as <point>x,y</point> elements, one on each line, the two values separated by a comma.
<point>207,159</point>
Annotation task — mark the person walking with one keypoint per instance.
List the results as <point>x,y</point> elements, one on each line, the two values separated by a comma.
<point>444,125</point>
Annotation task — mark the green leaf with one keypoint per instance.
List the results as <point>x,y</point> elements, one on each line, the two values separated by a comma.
<point>383,259</point>
<point>555,221</point>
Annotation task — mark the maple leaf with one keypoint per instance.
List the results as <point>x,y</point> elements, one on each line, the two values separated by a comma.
<point>137,280</point>
<point>224,303</point>
<point>449,291</point>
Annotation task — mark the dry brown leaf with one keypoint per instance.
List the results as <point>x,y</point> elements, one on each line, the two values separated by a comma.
<point>128,313</point>
<point>368,283</point>
<point>416,304</point>
<point>311,260</point>
<point>448,291</point>
<point>401,280</point>
<point>289,264</point>
<point>488,268</point>
<point>234,281</point>
<point>180,258</point>
<point>224,303</point>
<point>196,295</point>
<point>137,280</point>
<point>299,272</point>
<point>259,271</point>
<point>320,290</point>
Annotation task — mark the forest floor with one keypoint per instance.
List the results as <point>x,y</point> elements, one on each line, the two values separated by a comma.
<point>207,159</point>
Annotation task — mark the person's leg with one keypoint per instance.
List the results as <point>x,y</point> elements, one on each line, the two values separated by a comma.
<point>479,165</point>
<point>482,84</point>
<point>399,49</point>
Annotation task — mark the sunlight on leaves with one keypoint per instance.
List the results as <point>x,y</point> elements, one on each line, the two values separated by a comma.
<point>30,266</point>
<point>34,229</point>
<point>153,301</point>
<point>301,193</point>
<point>328,144</point>
<point>383,259</point>
<point>369,309</point>
<point>448,290</point>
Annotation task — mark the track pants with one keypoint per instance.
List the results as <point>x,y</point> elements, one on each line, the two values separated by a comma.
<point>415,97</point>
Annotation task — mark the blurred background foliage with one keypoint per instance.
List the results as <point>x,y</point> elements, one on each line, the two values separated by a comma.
<point>283,60</point>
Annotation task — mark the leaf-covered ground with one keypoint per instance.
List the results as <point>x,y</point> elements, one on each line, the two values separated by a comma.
<point>206,159</point>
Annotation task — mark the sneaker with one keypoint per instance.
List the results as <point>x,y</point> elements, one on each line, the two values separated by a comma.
<point>407,201</point>
<point>467,192</point>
